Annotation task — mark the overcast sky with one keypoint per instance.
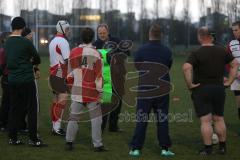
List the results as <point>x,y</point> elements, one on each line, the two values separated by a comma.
<point>10,8</point>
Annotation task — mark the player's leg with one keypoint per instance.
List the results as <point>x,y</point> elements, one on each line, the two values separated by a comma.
<point>96,121</point>
<point>57,113</point>
<point>161,107</point>
<point>14,116</point>
<point>220,129</point>
<point>237,99</point>
<point>218,119</point>
<point>142,115</point>
<point>5,104</point>
<point>72,126</point>
<point>203,107</point>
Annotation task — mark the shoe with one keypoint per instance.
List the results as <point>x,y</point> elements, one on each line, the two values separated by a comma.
<point>69,146</point>
<point>222,151</point>
<point>135,153</point>
<point>167,153</point>
<point>59,132</point>
<point>100,149</point>
<point>15,142</point>
<point>204,152</point>
<point>36,143</point>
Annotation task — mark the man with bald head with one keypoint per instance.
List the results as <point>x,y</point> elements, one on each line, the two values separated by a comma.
<point>203,72</point>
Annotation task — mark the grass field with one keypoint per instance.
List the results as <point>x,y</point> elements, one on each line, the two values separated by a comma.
<point>185,134</point>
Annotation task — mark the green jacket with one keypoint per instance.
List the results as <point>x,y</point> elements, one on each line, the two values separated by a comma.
<point>21,55</point>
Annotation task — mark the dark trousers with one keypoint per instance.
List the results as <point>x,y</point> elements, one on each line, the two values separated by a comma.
<point>112,117</point>
<point>160,107</point>
<point>5,103</point>
<point>111,114</point>
<point>23,100</point>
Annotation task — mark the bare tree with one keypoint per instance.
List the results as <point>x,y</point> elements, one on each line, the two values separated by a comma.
<point>1,13</point>
<point>202,7</point>
<point>143,11</point>
<point>130,4</point>
<point>230,12</point>
<point>234,8</point>
<point>19,4</point>
<point>143,21</point>
<point>172,8</point>
<point>217,18</point>
<point>103,8</point>
<point>103,5</point>
<point>171,11</point>
<point>218,6</point>
<point>111,4</point>
<point>156,8</point>
<point>187,21</point>
<point>2,6</point>
<point>59,7</point>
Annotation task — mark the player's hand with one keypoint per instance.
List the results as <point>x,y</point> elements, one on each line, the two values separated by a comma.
<point>226,83</point>
<point>192,86</point>
<point>225,79</point>
<point>37,75</point>
<point>100,98</point>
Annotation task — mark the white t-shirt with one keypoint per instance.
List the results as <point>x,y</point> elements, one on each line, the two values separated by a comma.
<point>234,47</point>
<point>59,52</point>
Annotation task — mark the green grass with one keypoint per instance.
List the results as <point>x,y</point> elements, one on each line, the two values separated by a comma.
<point>185,135</point>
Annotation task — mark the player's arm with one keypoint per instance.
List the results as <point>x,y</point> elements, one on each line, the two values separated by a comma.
<point>36,71</point>
<point>187,71</point>
<point>232,73</point>
<point>227,66</point>
<point>98,72</point>
<point>35,58</point>
<point>65,50</point>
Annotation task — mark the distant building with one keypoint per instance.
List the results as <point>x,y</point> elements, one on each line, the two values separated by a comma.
<point>217,22</point>
<point>5,24</point>
<point>210,19</point>
<point>45,30</point>
<point>46,23</point>
<point>83,17</point>
<point>129,27</point>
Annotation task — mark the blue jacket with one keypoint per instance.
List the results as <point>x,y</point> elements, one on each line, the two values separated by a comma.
<point>154,51</point>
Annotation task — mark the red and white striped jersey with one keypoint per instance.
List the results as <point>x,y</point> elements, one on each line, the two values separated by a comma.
<point>234,49</point>
<point>85,66</point>
<point>59,51</point>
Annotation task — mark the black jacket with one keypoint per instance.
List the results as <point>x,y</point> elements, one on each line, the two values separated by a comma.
<point>99,44</point>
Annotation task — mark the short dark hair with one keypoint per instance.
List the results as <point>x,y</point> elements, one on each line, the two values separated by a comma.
<point>87,35</point>
<point>205,31</point>
<point>237,23</point>
<point>18,23</point>
<point>155,31</point>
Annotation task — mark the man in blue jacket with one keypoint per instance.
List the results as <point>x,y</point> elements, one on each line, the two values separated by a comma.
<point>153,58</point>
